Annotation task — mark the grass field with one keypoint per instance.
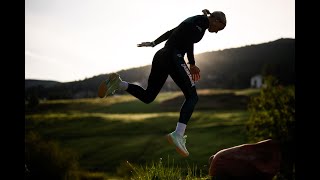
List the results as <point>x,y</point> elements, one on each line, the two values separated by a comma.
<point>106,133</point>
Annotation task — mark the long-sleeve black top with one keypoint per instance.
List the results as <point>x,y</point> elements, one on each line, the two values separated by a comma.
<point>183,36</point>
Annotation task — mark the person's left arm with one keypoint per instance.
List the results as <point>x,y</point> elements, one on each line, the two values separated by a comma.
<point>163,37</point>
<point>159,40</point>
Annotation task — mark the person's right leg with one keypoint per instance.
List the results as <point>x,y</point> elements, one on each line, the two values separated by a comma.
<point>157,77</point>
<point>111,84</point>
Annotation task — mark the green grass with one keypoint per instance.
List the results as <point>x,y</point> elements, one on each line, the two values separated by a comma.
<point>166,169</point>
<point>107,133</point>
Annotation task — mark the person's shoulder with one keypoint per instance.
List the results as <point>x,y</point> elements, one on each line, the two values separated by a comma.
<point>198,16</point>
<point>194,18</point>
<point>202,16</point>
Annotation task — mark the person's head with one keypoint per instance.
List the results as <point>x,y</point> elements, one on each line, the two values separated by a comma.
<point>217,20</point>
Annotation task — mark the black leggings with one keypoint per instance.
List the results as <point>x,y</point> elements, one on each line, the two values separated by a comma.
<point>166,62</point>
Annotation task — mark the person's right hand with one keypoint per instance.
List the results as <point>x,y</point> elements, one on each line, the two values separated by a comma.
<point>146,44</point>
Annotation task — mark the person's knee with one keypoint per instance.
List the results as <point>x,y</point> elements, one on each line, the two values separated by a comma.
<point>149,99</point>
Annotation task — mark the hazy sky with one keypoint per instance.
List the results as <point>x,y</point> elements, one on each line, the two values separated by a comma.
<point>69,40</point>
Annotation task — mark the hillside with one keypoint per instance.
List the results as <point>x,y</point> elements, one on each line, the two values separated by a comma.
<point>107,132</point>
<point>225,69</point>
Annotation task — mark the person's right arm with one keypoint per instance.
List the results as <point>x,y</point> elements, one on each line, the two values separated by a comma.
<point>159,40</point>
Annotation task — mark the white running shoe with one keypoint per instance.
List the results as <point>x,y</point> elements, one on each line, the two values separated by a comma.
<point>179,142</point>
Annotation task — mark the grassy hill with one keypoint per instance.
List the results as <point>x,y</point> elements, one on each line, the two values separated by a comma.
<point>106,133</point>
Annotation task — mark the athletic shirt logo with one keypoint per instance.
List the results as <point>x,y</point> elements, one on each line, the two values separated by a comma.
<point>199,28</point>
<point>194,20</point>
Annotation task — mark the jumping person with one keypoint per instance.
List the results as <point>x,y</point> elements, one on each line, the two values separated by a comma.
<point>170,61</point>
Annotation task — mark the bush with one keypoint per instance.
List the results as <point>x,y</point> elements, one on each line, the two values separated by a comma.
<point>272,113</point>
<point>272,116</point>
<point>47,160</point>
<point>33,101</point>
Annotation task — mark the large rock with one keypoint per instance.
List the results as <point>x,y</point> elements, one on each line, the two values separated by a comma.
<point>259,160</point>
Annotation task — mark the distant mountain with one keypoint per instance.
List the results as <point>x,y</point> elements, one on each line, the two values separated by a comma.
<point>28,83</point>
<point>233,68</point>
<point>229,68</point>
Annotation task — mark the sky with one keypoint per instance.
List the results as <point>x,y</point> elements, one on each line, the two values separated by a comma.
<point>70,40</point>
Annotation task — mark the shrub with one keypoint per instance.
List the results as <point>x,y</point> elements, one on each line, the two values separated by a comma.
<point>272,113</point>
<point>272,116</point>
<point>47,160</point>
<point>32,101</point>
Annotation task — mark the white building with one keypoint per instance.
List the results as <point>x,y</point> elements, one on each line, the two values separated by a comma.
<point>256,81</point>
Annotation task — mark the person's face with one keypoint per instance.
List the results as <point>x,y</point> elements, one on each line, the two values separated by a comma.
<point>215,25</point>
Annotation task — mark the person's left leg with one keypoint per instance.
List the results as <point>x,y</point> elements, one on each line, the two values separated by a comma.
<point>182,77</point>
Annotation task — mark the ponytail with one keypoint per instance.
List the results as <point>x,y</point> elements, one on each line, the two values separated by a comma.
<point>219,15</point>
<point>206,12</point>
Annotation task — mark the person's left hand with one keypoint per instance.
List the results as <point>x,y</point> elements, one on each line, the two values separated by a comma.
<point>146,44</point>
<point>195,72</point>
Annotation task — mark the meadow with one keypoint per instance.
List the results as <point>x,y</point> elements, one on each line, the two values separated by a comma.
<point>109,135</point>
